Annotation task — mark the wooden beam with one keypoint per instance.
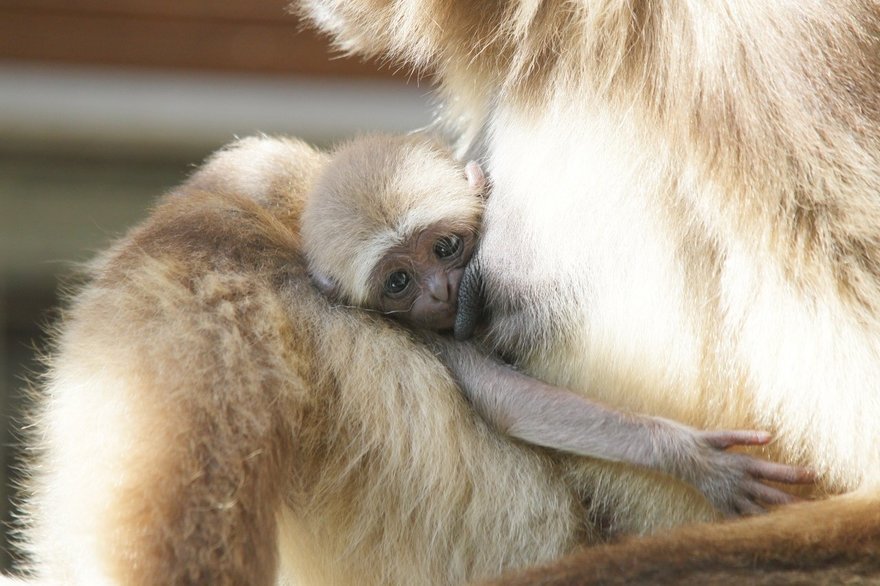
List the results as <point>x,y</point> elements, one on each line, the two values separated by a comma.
<point>218,35</point>
<point>265,10</point>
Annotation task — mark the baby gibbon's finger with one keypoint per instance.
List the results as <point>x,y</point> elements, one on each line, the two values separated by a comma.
<point>775,472</point>
<point>770,495</point>
<point>736,437</point>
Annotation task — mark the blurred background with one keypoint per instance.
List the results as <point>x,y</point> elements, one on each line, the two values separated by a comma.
<point>106,104</point>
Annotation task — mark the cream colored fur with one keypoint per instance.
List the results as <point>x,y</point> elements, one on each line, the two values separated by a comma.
<point>210,418</point>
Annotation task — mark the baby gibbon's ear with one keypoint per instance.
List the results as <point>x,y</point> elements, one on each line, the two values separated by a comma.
<point>475,176</point>
<point>327,286</point>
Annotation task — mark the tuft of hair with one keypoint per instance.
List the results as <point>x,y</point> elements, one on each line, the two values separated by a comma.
<point>374,194</point>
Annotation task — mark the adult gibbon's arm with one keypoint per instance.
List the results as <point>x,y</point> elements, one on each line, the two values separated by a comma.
<point>819,543</point>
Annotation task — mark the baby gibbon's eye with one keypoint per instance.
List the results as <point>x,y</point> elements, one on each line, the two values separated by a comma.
<point>447,246</point>
<point>397,282</point>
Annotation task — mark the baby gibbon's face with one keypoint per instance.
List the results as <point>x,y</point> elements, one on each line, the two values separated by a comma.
<point>417,282</point>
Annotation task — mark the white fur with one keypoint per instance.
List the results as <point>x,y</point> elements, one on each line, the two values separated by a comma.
<point>575,193</point>
<point>88,422</point>
<point>811,368</point>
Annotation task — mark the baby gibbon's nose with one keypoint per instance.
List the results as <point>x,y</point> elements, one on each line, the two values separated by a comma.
<point>438,286</point>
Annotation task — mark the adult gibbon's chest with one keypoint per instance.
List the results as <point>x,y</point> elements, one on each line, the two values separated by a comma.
<point>582,243</point>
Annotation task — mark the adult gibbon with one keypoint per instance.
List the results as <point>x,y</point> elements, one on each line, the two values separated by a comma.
<point>706,178</point>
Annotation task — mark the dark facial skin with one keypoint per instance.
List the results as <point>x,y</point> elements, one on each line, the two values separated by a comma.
<point>417,283</point>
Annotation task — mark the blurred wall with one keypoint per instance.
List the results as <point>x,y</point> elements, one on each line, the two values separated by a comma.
<point>106,104</point>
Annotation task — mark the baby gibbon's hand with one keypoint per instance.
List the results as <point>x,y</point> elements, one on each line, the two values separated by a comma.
<point>735,483</point>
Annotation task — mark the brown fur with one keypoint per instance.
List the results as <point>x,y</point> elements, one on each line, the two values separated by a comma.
<point>187,307</point>
<point>211,419</point>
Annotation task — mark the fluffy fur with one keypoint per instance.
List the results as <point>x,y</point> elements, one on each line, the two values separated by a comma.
<point>705,177</point>
<point>368,199</point>
<point>209,418</point>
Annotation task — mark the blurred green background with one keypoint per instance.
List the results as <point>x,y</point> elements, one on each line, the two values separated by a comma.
<point>106,104</point>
